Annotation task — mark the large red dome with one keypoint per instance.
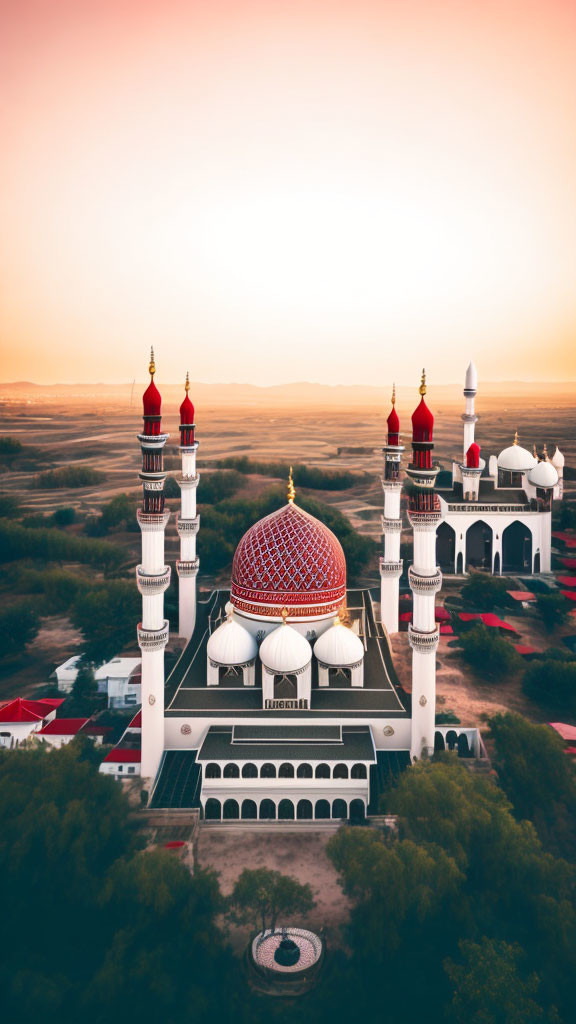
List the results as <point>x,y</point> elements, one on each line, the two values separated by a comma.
<point>289,559</point>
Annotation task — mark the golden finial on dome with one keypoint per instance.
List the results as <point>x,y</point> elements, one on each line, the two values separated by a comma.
<point>291,488</point>
<point>187,384</point>
<point>516,437</point>
<point>284,613</point>
<point>545,450</point>
<point>534,452</point>
<point>422,388</point>
<point>393,394</point>
<point>152,367</point>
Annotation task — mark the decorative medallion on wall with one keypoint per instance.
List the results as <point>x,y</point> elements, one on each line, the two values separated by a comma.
<point>388,730</point>
<point>423,701</point>
<point>185,730</point>
<point>151,699</point>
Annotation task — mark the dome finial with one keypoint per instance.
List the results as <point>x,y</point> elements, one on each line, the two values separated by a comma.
<point>545,451</point>
<point>515,437</point>
<point>152,367</point>
<point>394,394</point>
<point>422,388</point>
<point>534,452</point>
<point>291,488</point>
<point>187,384</point>
<point>284,613</point>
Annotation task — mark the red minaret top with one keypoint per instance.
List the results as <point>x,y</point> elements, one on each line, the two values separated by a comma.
<point>187,409</point>
<point>422,418</point>
<point>393,421</point>
<point>473,456</point>
<point>152,402</point>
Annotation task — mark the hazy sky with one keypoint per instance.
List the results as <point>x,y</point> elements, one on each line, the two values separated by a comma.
<point>283,190</point>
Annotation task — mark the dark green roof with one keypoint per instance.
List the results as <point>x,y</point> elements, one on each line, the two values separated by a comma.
<point>355,745</point>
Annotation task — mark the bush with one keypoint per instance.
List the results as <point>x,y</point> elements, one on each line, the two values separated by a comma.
<point>64,516</point>
<point>9,506</point>
<point>67,476</point>
<point>485,592</point>
<point>19,625</point>
<point>304,476</point>
<point>553,610</point>
<point>488,653</point>
<point>552,683</point>
<point>60,588</point>
<point>55,546</point>
<point>107,616</point>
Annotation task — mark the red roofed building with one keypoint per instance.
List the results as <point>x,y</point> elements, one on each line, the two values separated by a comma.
<point>61,731</point>
<point>19,718</point>
<point>123,761</point>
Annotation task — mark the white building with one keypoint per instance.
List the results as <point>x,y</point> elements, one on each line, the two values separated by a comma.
<point>21,718</point>
<point>61,731</point>
<point>121,680</point>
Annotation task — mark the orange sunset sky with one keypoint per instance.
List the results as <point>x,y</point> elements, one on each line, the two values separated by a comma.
<point>278,191</point>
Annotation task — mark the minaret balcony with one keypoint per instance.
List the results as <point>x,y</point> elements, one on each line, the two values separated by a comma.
<point>423,478</point>
<point>155,441</point>
<point>391,485</point>
<point>188,482</point>
<point>391,525</point>
<point>152,583</point>
<point>152,481</point>
<point>153,639</point>
<point>425,643</point>
<point>185,569</point>
<point>188,449</point>
<point>425,521</point>
<point>152,521</point>
<point>391,569</point>
<point>186,527</point>
<point>469,417</point>
<point>420,584</point>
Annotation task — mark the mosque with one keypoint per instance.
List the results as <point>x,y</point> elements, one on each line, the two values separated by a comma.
<point>285,702</point>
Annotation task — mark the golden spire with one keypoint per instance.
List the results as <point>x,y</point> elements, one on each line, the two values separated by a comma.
<point>516,437</point>
<point>422,388</point>
<point>535,452</point>
<point>291,488</point>
<point>284,613</point>
<point>545,450</point>
<point>187,384</point>
<point>152,367</point>
<point>393,394</point>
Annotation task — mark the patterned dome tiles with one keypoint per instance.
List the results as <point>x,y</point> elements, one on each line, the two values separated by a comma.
<point>289,557</point>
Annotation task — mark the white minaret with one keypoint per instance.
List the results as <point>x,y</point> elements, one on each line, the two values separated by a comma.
<point>469,416</point>
<point>153,577</point>
<point>188,522</point>
<point>391,564</point>
<point>425,579</point>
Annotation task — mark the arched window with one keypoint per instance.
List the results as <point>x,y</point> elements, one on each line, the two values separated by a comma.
<point>249,771</point>
<point>286,809</point>
<point>339,809</point>
<point>358,771</point>
<point>304,809</point>
<point>231,771</point>
<point>439,741</point>
<point>339,677</point>
<point>357,810</point>
<point>231,809</point>
<point>213,810</point>
<point>267,810</point>
<point>322,771</point>
<point>286,771</point>
<point>212,771</point>
<point>268,771</point>
<point>322,809</point>
<point>249,809</point>
<point>304,771</point>
<point>340,771</point>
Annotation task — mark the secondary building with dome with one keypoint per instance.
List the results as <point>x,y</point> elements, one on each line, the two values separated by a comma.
<point>285,702</point>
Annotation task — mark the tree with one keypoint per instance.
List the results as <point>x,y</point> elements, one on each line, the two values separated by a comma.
<point>552,683</point>
<point>107,616</point>
<point>262,895</point>
<point>82,699</point>
<point>488,986</point>
<point>488,653</point>
<point>553,610</point>
<point>9,506</point>
<point>64,516</point>
<point>483,592</point>
<point>538,779</point>
<point>19,624</point>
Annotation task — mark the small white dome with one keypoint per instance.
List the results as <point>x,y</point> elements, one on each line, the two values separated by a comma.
<point>231,644</point>
<point>471,382</point>
<point>557,459</point>
<point>339,646</point>
<point>543,475</point>
<point>285,650</point>
<point>516,459</point>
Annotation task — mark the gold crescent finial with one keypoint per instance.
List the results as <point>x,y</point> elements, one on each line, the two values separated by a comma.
<point>422,388</point>
<point>284,613</point>
<point>152,367</point>
<point>516,437</point>
<point>393,394</point>
<point>187,384</point>
<point>291,488</point>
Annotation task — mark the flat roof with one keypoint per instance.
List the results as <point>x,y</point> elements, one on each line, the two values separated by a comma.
<point>355,744</point>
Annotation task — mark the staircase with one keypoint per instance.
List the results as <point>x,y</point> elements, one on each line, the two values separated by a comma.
<point>179,782</point>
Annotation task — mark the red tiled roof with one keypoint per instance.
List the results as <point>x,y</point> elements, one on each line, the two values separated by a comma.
<point>64,727</point>
<point>119,756</point>
<point>446,629</point>
<point>136,722</point>
<point>567,732</point>
<point>567,581</point>
<point>488,618</point>
<point>442,614</point>
<point>570,594</point>
<point>521,595</point>
<point>21,710</point>
<point>524,649</point>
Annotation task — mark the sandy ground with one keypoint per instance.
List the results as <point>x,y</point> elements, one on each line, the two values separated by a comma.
<point>298,853</point>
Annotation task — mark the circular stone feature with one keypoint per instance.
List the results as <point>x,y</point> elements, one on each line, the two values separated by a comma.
<point>289,951</point>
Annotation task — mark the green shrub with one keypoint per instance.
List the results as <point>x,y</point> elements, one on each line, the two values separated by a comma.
<point>489,654</point>
<point>19,625</point>
<point>552,683</point>
<point>553,610</point>
<point>64,516</point>
<point>485,592</point>
<point>9,506</point>
<point>304,476</point>
<point>54,545</point>
<point>67,476</point>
